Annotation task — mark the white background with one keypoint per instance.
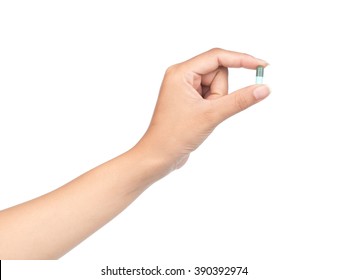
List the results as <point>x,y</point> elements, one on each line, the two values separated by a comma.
<point>78,84</point>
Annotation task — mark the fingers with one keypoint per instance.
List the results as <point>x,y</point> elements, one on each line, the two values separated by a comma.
<point>212,59</point>
<point>216,82</point>
<point>231,104</point>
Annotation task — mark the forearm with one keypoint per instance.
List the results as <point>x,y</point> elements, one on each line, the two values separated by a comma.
<point>51,225</point>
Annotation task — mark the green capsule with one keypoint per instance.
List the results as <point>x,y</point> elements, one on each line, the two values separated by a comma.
<point>259,75</point>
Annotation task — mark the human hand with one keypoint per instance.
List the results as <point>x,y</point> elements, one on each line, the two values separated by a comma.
<point>193,100</point>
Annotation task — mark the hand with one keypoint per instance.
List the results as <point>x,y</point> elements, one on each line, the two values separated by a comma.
<point>193,100</point>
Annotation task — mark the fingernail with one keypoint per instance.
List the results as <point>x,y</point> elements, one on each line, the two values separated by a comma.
<point>264,61</point>
<point>261,92</point>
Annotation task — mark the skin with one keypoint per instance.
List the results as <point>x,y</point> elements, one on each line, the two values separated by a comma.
<point>193,100</point>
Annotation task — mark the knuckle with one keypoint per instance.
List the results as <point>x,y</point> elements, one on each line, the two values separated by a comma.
<point>216,50</point>
<point>170,73</point>
<point>171,69</point>
<point>223,70</point>
<point>240,102</point>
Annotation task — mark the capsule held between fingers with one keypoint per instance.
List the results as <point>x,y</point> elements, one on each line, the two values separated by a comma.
<point>259,75</point>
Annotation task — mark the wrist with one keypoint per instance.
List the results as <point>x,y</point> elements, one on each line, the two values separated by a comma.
<point>149,165</point>
<point>157,157</point>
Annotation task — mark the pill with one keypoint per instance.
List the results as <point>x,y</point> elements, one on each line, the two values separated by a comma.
<point>259,75</point>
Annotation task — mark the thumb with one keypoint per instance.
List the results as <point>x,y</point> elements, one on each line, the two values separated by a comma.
<point>233,103</point>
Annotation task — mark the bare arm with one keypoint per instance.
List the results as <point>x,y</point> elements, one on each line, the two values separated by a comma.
<point>193,100</point>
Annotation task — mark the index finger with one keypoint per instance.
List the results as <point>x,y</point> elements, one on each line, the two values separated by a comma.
<point>209,61</point>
